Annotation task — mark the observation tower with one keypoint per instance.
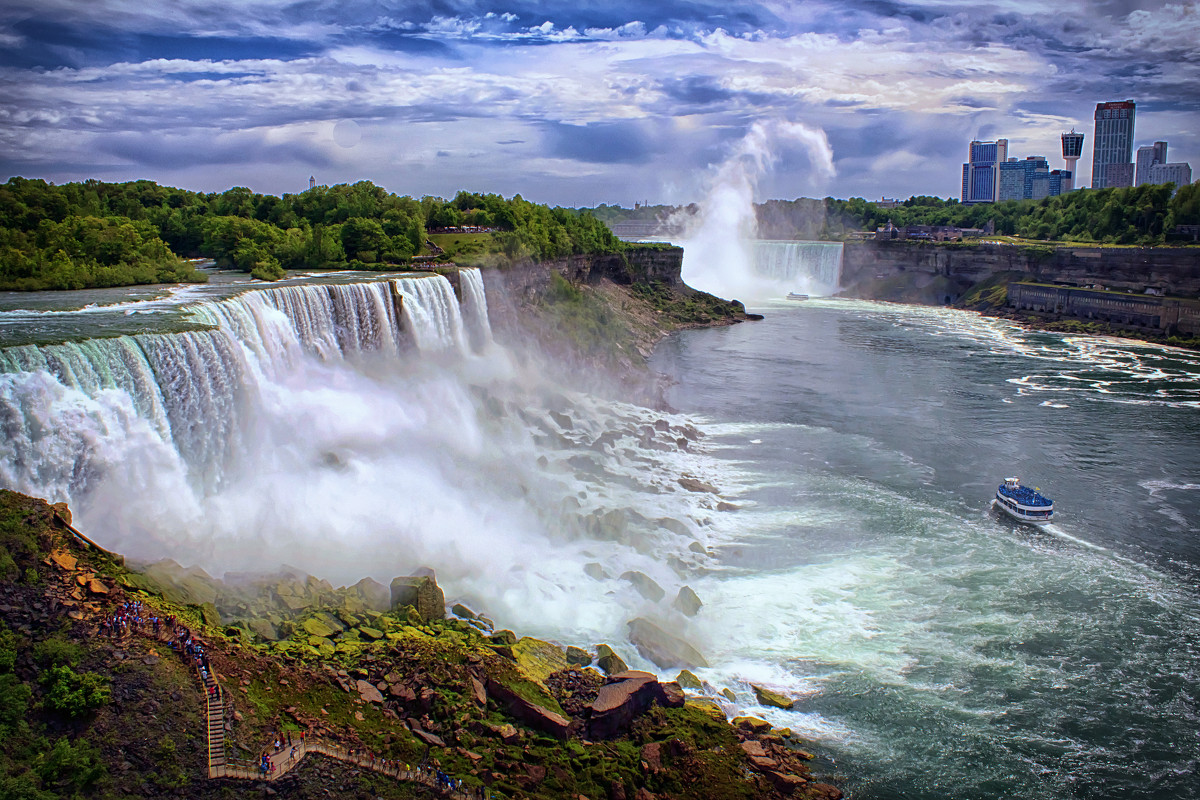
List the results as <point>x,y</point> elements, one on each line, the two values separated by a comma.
<point>1072,146</point>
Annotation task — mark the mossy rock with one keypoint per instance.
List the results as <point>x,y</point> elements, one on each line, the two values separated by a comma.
<point>538,660</point>
<point>768,698</point>
<point>688,680</point>
<point>609,661</point>
<point>706,705</point>
<point>752,724</point>
<point>370,633</point>
<point>208,612</point>
<point>317,627</point>
<point>263,628</point>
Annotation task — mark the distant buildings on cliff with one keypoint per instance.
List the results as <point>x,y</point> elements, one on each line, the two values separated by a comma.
<point>992,176</point>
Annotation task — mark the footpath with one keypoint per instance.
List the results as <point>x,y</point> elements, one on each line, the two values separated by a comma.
<point>282,758</point>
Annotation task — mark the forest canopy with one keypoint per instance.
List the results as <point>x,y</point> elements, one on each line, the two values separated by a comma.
<point>1141,215</point>
<point>90,234</point>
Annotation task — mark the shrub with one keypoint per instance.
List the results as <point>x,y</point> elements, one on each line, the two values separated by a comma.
<point>74,694</point>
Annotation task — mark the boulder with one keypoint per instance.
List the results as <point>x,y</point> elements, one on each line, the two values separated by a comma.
<point>594,570</point>
<point>373,594</point>
<point>478,691</point>
<point>96,586</point>
<point>823,791</point>
<point>673,696</point>
<point>664,649</point>
<point>768,698</point>
<point>264,629</point>
<point>533,715</point>
<point>751,724</point>
<point>785,782</point>
<point>578,656</point>
<point>422,593</point>
<point>693,485</point>
<point>609,661</point>
<point>64,559</point>
<point>688,680</point>
<point>63,511</point>
<point>461,611</point>
<point>698,548</point>
<point>431,739</point>
<point>645,585</point>
<point>504,637</point>
<point>687,602</point>
<point>618,703</point>
<point>538,660</point>
<point>368,692</point>
<point>318,627</point>
<point>373,634</point>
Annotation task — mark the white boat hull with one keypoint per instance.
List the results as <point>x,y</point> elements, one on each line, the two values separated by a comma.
<point>1035,521</point>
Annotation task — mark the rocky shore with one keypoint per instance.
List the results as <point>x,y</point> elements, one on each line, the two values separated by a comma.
<point>387,672</point>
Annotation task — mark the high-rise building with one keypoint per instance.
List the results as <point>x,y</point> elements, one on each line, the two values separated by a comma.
<point>1028,179</point>
<point>1113,144</point>
<point>1147,157</point>
<point>1179,173</point>
<point>1072,149</point>
<point>981,173</point>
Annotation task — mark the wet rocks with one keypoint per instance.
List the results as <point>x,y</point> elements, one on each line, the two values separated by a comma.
<point>532,714</point>
<point>687,602</point>
<point>693,485</point>
<point>688,680</point>
<point>664,649</point>
<point>578,656</point>
<point>767,697</point>
<point>422,593</point>
<point>628,695</point>
<point>645,585</point>
<point>368,692</point>
<point>609,661</point>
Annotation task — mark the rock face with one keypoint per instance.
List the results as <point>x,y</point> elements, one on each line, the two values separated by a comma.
<point>422,593</point>
<point>664,649</point>
<point>629,694</point>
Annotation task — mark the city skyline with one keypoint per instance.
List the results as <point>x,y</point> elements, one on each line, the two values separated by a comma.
<point>582,104</point>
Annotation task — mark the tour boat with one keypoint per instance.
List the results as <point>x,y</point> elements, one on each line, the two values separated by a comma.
<point>796,296</point>
<point>1022,503</point>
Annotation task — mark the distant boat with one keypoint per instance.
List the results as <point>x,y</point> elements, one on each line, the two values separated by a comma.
<point>796,296</point>
<point>1022,503</point>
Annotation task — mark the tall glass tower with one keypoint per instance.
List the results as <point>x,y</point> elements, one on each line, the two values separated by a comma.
<point>1113,144</point>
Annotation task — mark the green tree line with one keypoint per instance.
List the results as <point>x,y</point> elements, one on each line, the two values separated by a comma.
<point>1143,215</point>
<point>87,234</point>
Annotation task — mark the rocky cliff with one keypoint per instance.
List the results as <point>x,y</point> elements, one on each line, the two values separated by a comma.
<point>927,272</point>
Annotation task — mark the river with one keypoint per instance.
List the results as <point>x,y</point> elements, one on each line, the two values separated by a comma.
<point>940,651</point>
<point>353,426</point>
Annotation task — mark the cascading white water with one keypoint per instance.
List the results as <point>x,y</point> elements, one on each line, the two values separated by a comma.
<point>432,313</point>
<point>795,266</point>
<point>354,430</point>
<point>474,304</point>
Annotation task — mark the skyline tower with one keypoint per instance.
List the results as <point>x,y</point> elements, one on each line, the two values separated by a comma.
<point>1112,144</point>
<point>981,173</point>
<point>1072,150</point>
<point>1147,157</point>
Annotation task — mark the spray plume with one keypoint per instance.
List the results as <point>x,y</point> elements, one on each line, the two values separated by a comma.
<point>718,240</point>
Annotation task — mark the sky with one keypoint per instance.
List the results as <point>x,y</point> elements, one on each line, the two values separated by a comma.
<point>577,103</point>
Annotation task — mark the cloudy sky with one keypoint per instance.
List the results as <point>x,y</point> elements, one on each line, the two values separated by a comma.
<point>576,103</point>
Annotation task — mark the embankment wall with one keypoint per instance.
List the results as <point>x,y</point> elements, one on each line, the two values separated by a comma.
<point>942,273</point>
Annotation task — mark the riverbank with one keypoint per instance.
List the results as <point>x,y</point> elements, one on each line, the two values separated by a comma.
<point>109,667</point>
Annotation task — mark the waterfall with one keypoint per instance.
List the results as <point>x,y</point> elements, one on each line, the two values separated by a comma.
<point>71,412</point>
<point>810,267</point>
<point>474,303</point>
<point>431,312</point>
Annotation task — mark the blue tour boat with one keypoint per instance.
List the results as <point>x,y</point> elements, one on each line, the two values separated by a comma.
<point>1022,503</point>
